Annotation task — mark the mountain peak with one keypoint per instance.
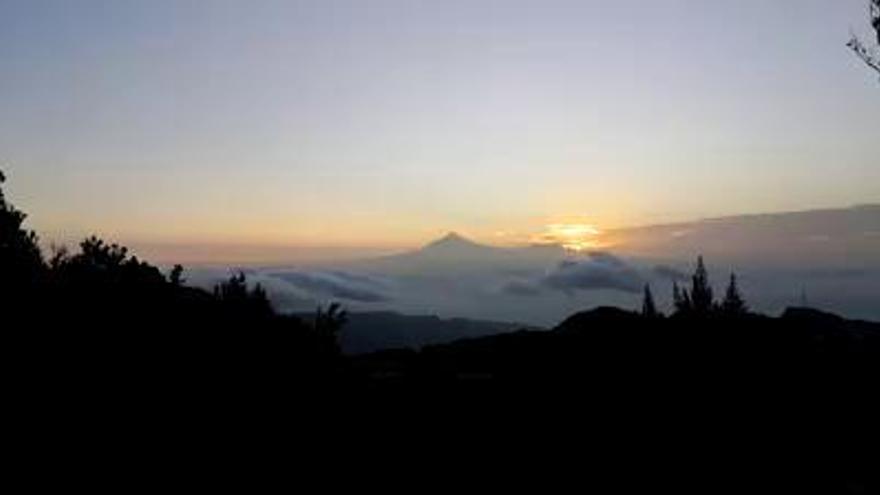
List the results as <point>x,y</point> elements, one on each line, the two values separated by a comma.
<point>453,236</point>
<point>452,240</point>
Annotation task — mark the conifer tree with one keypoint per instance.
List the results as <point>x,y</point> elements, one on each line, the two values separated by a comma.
<point>649,309</point>
<point>701,297</point>
<point>679,300</point>
<point>733,304</point>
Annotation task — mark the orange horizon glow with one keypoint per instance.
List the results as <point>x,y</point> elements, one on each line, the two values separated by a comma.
<point>576,237</point>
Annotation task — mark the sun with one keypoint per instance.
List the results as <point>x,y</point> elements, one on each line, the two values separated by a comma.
<point>571,236</point>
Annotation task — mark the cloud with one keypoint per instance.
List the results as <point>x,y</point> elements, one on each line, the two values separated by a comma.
<point>601,271</point>
<point>670,273</point>
<point>356,278</point>
<point>818,238</point>
<point>336,284</point>
<point>521,288</point>
<point>836,273</point>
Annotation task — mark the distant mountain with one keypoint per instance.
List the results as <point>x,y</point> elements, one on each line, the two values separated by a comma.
<point>621,351</point>
<point>380,330</point>
<point>454,254</point>
<point>829,237</point>
<point>825,258</point>
<point>455,244</point>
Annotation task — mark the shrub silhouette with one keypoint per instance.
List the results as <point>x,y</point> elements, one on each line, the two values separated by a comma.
<point>240,301</point>
<point>176,276</point>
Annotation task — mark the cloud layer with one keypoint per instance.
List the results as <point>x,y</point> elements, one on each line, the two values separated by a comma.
<point>669,273</point>
<point>337,284</point>
<point>600,271</point>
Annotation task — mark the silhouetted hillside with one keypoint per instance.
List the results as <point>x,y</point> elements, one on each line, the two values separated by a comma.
<point>617,349</point>
<point>103,325</point>
<point>370,332</point>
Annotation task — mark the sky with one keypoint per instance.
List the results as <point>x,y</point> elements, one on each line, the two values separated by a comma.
<point>347,125</point>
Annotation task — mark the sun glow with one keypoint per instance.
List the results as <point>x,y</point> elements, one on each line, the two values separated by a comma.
<point>572,236</point>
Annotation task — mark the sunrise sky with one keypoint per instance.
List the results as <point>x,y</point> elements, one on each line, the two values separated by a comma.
<point>383,124</point>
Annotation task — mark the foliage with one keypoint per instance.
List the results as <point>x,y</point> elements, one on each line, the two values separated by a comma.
<point>104,307</point>
<point>649,309</point>
<point>733,305</point>
<point>698,302</point>
<point>680,299</point>
<point>870,55</point>
<point>176,276</point>
<point>21,262</point>
<point>701,296</point>
<point>238,299</point>
<point>332,320</point>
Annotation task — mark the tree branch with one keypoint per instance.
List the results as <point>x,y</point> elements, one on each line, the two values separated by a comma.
<point>863,53</point>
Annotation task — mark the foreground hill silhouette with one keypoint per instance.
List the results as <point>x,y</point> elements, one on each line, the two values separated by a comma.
<point>103,320</point>
<point>366,332</point>
<point>710,403</point>
<point>804,350</point>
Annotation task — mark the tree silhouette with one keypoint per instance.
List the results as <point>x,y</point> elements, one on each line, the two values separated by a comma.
<point>680,299</point>
<point>260,300</point>
<point>649,309</point>
<point>699,300</point>
<point>869,55</point>
<point>106,321</point>
<point>102,256</point>
<point>331,321</point>
<point>733,304</point>
<point>105,272</point>
<point>701,297</point>
<point>327,325</point>
<point>234,289</point>
<point>875,18</point>
<point>239,301</point>
<point>22,268</point>
<point>176,276</point>
<point>60,256</point>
